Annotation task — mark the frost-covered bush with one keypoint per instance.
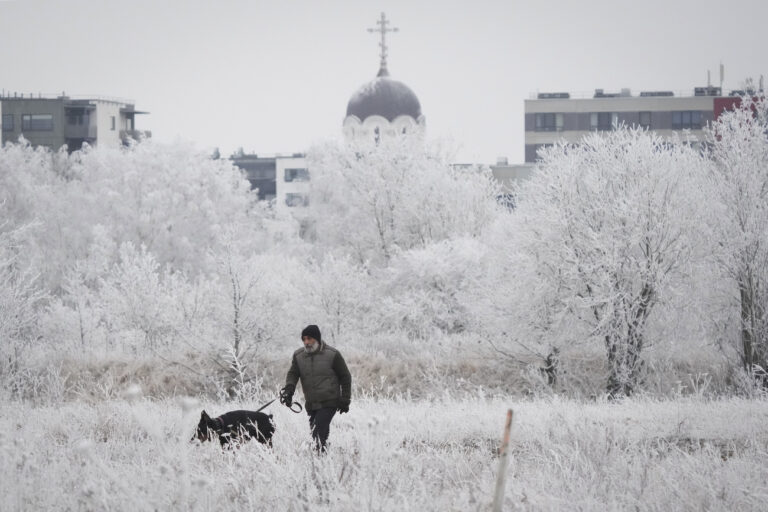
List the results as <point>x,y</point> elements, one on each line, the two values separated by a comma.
<point>338,294</point>
<point>423,290</point>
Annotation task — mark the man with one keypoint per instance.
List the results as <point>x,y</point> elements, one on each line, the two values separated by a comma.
<point>326,382</point>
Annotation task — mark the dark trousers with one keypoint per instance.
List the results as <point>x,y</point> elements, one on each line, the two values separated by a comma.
<point>320,424</point>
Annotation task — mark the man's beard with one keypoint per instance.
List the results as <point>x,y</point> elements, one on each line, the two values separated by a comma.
<point>312,348</point>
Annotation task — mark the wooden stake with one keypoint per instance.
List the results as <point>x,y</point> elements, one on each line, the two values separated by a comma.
<point>498,499</point>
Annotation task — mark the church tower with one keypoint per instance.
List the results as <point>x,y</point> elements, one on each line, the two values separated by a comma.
<point>383,108</point>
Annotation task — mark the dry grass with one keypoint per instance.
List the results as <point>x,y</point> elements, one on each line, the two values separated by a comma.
<point>391,454</point>
<point>425,374</point>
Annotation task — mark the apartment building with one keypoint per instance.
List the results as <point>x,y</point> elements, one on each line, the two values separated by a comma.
<point>282,178</point>
<point>550,117</point>
<point>63,120</point>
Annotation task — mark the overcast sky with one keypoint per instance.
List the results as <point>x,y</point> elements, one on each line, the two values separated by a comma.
<point>276,76</point>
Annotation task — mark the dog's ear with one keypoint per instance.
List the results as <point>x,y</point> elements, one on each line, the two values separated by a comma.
<point>204,416</point>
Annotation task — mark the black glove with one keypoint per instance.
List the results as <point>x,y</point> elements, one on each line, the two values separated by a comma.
<point>286,396</point>
<point>343,407</point>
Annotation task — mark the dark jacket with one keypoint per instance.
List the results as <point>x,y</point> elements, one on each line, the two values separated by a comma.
<point>324,376</point>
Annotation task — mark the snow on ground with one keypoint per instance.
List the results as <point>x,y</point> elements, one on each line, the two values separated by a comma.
<point>393,454</point>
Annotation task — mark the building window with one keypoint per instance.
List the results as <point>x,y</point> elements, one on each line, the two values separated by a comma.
<point>113,122</point>
<point>7,122</point>
<point>549,122</point>
<point>603,121</point>
<point>296,175</point>
<point>293,200</point>
<point>686,120</point>
<point>37,122</point>
<point>645,120</point>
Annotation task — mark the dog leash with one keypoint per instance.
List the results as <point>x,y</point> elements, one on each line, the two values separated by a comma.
<point>265,405</point>
<point>289,407</point>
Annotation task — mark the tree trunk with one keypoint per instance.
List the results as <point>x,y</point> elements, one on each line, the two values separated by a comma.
<point>754,344</point>
<point>747,340</point>
<point>624,362</point>
<point>552,367</point>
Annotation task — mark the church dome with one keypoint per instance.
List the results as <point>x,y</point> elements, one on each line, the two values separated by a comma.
<point>384,97</point>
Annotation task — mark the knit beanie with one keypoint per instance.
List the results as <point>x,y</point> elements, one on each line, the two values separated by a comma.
<point>312,331</point>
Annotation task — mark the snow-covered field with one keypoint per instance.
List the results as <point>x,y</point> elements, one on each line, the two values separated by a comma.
<point>394,454</point>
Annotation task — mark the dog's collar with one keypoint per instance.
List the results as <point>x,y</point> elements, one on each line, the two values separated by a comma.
<point>218,423</point>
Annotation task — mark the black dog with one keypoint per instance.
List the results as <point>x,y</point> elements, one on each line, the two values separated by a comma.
<point>236,426</point>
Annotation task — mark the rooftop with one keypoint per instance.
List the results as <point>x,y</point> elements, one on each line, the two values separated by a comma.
<point>627,93</point>
<point>12,95</point>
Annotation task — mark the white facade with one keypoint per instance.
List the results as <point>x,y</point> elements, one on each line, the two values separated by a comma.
<point>291,183</point>
<point>109,123</point>
<point>376,128</point>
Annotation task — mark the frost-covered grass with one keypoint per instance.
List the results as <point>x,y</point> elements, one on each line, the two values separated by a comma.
<point>393,454</point>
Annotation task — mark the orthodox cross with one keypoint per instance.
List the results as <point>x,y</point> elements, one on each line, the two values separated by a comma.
<point>382,28</point>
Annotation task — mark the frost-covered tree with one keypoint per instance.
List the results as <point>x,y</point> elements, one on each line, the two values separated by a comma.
<point>374,201</point>
<point>601,231</point>
<point>74,316</point>
<point>254,299</point>
<point>20,299</point>
<point>426,292</point>
<point>739,149</point>
<point>24,170</point>
<point>173,200</point>
<point>29,185</point>
<point>340,292</point>
<point>401,211</point>
<point>138,299</point>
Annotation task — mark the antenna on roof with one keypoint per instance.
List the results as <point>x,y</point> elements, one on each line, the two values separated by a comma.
<point>722,75</point>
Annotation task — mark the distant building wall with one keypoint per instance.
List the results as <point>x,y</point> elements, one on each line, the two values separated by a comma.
<point>28,117</point>
<point>55,122</point>
<point>554,117</point>
<point>507,175</point>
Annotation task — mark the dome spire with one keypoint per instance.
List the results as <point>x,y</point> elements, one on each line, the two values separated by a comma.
<point>382,28</point>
